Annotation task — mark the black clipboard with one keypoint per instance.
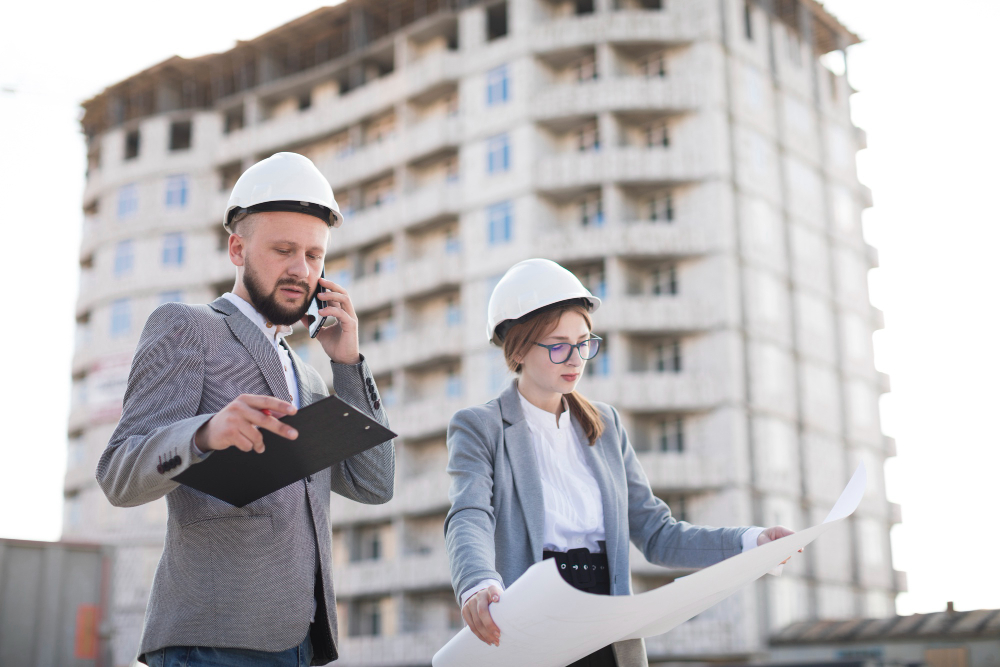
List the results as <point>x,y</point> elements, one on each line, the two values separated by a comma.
<point>330,431</point>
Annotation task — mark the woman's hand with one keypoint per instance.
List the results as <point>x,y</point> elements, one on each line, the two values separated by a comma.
<point>476,613</point>
<point>775,533</point>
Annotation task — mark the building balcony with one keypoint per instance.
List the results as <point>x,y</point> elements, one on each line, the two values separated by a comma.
<point>101,287</point>
<point>617,94</point>
<point>652,391</point>
<point>362,163</point>
<point>375,290</point>
<point>431,344</point>
<point>673,472</point>
<point>431,71</point>
<point>366,226</point>
<point>629,164</point>
<point>363,578</point>
<point>412,648</point>
<point>657,313</point>
<point>383,355</point>
<point>623,26</point>
<point>682,238</point>
<point>431,136</point>
<point>426,417</point>
<point>432,272</point>
<point>417,495</point>
<point>105,228</point>
<point>329,116</point>
<point>430,203</point>
<point>321,119</point>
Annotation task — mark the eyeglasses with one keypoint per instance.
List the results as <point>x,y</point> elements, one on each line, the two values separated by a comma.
<point>559,353</point>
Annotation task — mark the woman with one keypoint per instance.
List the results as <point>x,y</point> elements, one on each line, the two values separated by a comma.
<point>541,472</point>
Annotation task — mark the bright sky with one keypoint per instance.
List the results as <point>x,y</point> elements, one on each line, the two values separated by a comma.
<point>928,100</point>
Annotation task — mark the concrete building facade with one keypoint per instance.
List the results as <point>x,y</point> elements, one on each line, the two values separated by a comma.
<point>691,161</point>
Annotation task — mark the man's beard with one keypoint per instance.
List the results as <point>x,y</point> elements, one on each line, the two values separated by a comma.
<point>267,304</point>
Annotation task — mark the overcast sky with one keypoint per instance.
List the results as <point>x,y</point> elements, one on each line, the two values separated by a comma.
<point>926,76</point>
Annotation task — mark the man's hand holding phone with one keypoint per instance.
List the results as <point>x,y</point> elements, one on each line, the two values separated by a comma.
<point>339,341</point>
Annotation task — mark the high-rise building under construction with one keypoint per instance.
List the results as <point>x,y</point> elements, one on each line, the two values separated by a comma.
<point>691,161</point>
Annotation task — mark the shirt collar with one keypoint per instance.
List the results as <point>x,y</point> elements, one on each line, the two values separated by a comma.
<point>542,418</point>
<point>273,332</point>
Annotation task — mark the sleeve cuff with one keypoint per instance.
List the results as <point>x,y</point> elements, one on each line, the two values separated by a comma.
<point>750,536</point>
<point>485,583</point>
<point>197,454</point>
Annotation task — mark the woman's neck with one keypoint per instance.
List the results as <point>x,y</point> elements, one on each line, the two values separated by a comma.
<point>540,398</point>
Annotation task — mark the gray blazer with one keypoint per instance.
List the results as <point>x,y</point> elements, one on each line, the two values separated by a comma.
<point>240,577</point>
<point>496,523</point>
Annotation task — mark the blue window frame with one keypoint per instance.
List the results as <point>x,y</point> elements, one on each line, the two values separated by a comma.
<point>173,249</point>
<point>173,296</point>
<point>453,388</point>
<point>128,200</point>
<point>500,223</point>
<point>497,86</point>
<point>498,154</point>
<point>453,314</point>
<point>342,277</point>
<point>177,191</point>
<point>124,257</point>
<point>121,317</point>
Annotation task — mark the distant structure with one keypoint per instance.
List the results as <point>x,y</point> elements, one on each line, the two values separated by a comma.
<point>942,639</point>
<point>692,161</point>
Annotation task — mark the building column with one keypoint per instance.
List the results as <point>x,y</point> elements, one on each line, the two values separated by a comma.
<point>471,29</point>
<point>613,205</point>
<point>252,111</point>
<point>607,131</point>
<point>401,52</point>
<point>604,56</point>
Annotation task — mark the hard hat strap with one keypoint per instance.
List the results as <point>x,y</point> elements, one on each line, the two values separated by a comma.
<point>315,210</point>
<point>504,327</point>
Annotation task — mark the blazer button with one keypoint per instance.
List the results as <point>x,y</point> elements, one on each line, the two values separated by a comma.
<point>377,404</point>
<point>369,382</point>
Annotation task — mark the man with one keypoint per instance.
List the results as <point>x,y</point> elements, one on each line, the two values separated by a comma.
<point>246,585</point>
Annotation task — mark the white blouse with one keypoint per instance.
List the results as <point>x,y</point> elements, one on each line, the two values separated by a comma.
<point>574,515</point>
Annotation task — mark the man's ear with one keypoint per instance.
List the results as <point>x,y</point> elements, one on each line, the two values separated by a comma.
<point>237,249</point>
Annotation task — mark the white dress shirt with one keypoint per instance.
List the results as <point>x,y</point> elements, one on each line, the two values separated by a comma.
<point>574,514</point>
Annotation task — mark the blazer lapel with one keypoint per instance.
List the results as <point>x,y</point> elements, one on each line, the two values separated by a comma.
<point>598,463</point>
<point>260,349</point>
<point>524,468</point>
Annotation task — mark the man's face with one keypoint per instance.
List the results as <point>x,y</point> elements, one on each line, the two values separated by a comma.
<point>282,259</point>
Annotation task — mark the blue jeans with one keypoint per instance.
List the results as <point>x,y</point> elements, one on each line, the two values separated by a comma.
<point>201,656</point>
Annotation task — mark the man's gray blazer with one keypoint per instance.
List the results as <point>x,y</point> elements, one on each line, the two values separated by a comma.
<point>495,527</point>
<point>242,577</point>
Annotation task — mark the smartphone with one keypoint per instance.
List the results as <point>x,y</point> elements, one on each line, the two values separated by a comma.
<point>316,321</point>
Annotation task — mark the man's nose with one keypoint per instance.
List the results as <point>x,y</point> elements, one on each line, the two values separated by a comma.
<point>299,267</point>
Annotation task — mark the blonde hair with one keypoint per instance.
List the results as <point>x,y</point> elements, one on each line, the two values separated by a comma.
<point>519,341</point>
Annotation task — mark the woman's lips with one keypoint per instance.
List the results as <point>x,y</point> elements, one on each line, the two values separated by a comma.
<point>570,377</point>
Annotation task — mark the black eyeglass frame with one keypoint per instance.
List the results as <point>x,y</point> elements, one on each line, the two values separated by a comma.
<point>577,346</point>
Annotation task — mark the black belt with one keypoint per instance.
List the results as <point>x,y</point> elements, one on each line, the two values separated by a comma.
<point>582,569</point>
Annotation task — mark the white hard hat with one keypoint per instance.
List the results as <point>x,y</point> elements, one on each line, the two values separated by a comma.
<point>529,286</point>
<point>284,182</point>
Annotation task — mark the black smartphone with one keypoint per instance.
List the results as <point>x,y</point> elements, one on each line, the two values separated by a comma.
<point>316,321</point>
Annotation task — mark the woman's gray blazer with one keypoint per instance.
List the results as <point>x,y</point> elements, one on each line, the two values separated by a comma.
<point>495,526</point>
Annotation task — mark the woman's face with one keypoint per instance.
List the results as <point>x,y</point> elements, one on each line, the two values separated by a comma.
<point>538,370</point>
